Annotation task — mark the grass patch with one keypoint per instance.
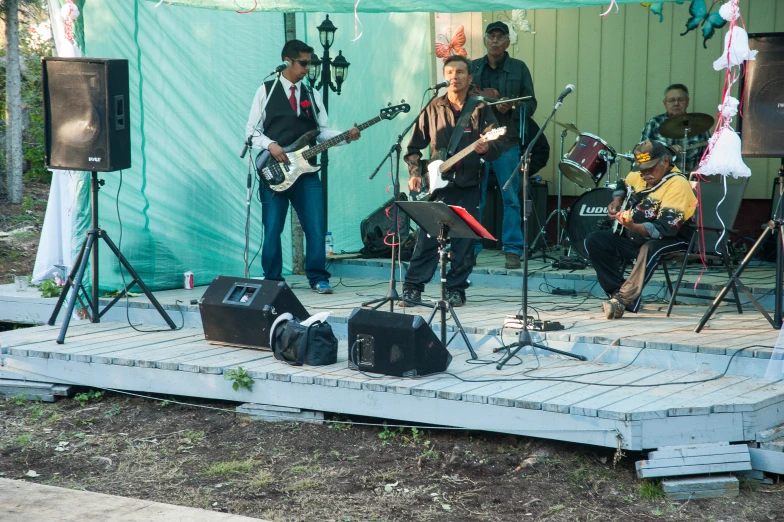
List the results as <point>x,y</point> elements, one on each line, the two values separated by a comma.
<point>304,484</point>
<point>387,476</point>
<point>195,436</point>
<point>262,480</point>
<point>651,490</point>
<point>554,509</point>
<point>24,440</point>
<point>231,467</point>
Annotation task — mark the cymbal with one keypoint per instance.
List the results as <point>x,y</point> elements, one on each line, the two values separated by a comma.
<point>693,122</point>
<point>568,126</point>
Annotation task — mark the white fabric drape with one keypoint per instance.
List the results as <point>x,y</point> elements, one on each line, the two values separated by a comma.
<point>54,248</point>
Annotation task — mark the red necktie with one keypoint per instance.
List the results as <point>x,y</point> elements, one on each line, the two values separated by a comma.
<point>293,99</point>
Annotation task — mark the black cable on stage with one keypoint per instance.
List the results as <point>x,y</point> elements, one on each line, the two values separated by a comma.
<point>122,275</point>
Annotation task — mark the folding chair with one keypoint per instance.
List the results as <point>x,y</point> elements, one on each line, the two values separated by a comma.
<point>714,224</point>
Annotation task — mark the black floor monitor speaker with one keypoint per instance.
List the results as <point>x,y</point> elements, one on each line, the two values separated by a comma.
<point>240,312</point>
<point>403,345</point>
<point>762,122</point>
<point>86,118</point>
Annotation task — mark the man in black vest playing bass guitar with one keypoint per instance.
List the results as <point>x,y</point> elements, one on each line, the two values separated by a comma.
<point>653,208</point>
<point>450,123</point>
<point>277,119</point>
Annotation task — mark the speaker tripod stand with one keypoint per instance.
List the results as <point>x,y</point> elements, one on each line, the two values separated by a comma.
<point>74,281</point>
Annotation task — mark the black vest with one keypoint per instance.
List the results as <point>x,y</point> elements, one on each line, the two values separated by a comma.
<point>281,124</point>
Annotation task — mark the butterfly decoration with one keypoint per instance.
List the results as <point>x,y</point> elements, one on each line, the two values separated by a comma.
<point>518,24</point>
<point>453,46</point>
<point>701,15</point>
<point>658,7</point>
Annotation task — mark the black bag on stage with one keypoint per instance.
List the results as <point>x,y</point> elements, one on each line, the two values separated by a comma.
<point>298,344</point>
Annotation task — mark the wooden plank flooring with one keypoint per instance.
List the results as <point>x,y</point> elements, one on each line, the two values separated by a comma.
<point>649,379</point>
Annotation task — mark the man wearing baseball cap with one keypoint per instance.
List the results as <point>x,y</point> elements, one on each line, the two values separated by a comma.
<point>653,208</point>
<point>498,75</point>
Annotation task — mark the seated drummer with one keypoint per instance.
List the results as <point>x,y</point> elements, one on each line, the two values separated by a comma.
<point>676,102</point>
<point>658,221</point>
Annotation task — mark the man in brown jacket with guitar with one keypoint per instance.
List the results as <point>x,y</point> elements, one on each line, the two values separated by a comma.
<point>450,124</point>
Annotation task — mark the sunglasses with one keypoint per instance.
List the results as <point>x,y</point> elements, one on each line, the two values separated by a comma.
<point>303,63</point>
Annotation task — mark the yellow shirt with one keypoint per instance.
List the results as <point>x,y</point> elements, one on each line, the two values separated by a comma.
<point>664,210</point>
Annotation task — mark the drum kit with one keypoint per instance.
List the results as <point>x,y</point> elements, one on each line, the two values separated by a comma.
<point>589,162</point>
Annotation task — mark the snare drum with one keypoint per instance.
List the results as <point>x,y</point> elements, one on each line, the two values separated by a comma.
<point>586,162</point>
<point>585,215</point>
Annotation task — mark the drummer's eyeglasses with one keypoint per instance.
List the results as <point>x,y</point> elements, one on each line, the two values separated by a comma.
<point>676,100</point>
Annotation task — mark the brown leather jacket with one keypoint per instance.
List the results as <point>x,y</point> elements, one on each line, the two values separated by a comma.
<point>435,127</point>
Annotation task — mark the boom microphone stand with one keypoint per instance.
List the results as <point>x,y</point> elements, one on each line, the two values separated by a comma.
<point>396,148</point>
<point>524,338</point>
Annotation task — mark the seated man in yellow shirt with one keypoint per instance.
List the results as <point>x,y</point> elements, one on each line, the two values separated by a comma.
<point>656,220</point>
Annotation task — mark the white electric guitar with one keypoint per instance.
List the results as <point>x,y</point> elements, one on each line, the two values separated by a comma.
<point>436,168</point>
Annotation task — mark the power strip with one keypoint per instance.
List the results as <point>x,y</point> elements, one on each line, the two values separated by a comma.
<point>535,325</point>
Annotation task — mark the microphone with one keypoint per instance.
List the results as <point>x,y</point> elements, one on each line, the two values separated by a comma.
<point>437,86</point>
<point>280,68</point>
<point>569,89</point>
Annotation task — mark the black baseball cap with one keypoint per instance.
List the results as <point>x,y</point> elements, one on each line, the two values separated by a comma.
<point>648,154</point>
<point>497,26</point>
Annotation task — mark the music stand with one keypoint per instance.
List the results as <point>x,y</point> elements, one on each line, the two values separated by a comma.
<point>437,219</point>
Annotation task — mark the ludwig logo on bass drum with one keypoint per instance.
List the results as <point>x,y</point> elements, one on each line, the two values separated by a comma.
<point>586,210</point>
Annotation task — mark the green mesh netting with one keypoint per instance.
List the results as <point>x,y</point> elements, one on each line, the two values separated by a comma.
<point>388,6</point>
<point>193,76</point>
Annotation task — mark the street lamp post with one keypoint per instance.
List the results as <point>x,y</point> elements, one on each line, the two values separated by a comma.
<point>326,68</point>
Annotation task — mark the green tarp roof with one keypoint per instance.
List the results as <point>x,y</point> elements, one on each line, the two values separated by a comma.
<point>387,6</point>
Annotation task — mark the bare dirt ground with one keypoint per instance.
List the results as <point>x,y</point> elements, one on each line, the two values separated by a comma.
<point>205,455</point>
<point>20,230</point>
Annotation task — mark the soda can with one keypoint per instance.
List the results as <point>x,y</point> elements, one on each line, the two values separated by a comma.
<point>189,280</point>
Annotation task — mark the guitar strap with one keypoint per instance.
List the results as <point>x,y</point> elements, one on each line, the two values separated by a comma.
<point>312,100</point>
<point>461,124</point>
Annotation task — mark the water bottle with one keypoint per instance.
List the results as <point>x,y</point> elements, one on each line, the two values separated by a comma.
<point>328,245</point>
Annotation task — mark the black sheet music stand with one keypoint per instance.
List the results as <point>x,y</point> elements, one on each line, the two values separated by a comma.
<point>440,220</point>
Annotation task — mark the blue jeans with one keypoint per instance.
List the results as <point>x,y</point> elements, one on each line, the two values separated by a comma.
<point>305,197</point>
<point>512,226</point>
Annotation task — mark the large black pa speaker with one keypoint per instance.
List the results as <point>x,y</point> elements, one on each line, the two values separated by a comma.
<point>403,345</point>
<point>86,119</point>
<point>762,122</point>
<point>240,312</point>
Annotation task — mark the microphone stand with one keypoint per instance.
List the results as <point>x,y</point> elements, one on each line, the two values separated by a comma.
<point>396,148</point>
<point>524,338</point>
<point>248,147</point>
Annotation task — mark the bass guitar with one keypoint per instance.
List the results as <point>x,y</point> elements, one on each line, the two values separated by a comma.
<point>280,175</point>
<point>436,168</point>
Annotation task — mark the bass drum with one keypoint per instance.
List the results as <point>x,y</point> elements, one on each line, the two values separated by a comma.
<point>585,215</point>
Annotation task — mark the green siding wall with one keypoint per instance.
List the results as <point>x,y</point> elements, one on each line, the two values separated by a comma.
<point>620,66</point>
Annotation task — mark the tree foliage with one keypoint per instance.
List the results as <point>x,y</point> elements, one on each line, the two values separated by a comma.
<point>21,102</point>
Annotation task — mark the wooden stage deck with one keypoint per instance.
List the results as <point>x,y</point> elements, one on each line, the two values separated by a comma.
<point>650,380</point>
